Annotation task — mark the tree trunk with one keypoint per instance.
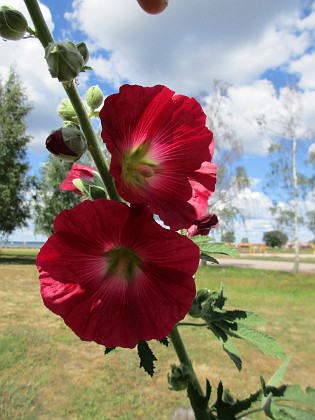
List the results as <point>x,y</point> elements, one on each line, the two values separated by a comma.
<point>296,205</point>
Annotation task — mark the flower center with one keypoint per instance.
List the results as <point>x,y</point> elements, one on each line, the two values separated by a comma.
<point>123,262</point>
<point>137,167</point>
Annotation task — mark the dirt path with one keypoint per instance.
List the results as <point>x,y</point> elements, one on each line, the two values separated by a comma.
<point>266,265</point>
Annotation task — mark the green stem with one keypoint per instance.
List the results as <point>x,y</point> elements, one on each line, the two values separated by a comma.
<point>184,358</point>
<point>192,324</point>
<point>93,143</point>
<point>45,37</point>
<point>42,31</point>
<point>248,413</point>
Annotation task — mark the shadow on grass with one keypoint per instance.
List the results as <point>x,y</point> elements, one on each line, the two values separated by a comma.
<point>23,260</point>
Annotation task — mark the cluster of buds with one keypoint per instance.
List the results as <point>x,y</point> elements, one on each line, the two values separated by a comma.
<point>13,25</point>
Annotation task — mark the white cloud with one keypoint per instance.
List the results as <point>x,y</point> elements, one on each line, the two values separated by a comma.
<point>191,43</point>
<point>27,58</point>
<point>305,66</point>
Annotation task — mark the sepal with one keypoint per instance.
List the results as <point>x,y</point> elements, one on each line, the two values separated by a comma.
<point>13,25</point>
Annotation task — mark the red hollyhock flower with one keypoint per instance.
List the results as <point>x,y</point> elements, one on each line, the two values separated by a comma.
<point>77,171</point>
<point>203,225</point>
<point>160,146</point>
<point>114,275</point>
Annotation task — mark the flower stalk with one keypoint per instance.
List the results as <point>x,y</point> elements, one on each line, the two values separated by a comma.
<point>45,38</point>
<point>183,357</point>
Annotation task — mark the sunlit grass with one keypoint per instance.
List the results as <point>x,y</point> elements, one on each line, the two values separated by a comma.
<point>47,372</point>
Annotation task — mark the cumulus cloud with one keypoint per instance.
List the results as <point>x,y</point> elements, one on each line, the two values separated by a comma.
<point>190,44</point>
<point>27,58</point>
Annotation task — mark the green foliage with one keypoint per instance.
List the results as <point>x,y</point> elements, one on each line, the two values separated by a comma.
<point>50,201</point>
<point>228,237</point>
<point>275,238</point>
<point>310,221</point>
<point>227,324</point>
<point>208,246</point>
<point>147,357</point>
<point>14,183</point>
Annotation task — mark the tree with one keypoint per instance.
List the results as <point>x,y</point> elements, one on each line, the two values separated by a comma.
<point>275,238</point>
<point>14,183</point>
<point>228,237</point>
<point>285,182</point>
<point>50,201</point>
<point>310,221</point>
<point>231,179</point>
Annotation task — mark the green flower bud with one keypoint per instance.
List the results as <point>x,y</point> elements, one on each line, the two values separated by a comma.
<point>13,24</point>
<point>67,143</point>
<point>94,97</point>
<point>81,46</point>
<point>64,60</point>
<point>178,377</point>
<point>66,112</point>
<point>198,303</point>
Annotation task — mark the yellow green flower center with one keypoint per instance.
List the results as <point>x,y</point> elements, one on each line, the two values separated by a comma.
<point>137,167</point>
<point>123,262</point>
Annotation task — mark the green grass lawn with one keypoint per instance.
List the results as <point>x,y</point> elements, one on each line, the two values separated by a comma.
<point>48,373</point>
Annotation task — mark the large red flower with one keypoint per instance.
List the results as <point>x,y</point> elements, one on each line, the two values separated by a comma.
<point>77,172</point>
<point>114,275</point>
<point>160,146</point>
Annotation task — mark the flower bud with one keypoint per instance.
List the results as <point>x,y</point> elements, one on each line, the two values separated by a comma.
<point>64,60</point>
<point>178,377</point>
<point>13,24</point>
<point>67,143</point>
<point>81,46</point>
<point>94,97</point>
<point>66,111</point>
<point>203,225</point>
<point>153,7</point>
<point>198,303</point>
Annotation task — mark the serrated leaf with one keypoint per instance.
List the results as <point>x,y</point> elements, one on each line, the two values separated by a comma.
<point>206,257</point>
<point>201,239</point>
<point>199,403</point>
<point>292,413</point>
<point>164,341</point>
<point>233,354</point>
<point>278,376</point>
<point>108,350</point>
<point>265,343</point>
<point>218,248</point>
<point>147,357</point>
<point>294,393</point>
<point>227,407</point>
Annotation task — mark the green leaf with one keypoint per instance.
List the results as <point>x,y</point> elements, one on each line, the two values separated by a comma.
<point>294,393</point>
<point>108,350</point>
<point>292,413</point>
<point>164,341</point>
<point>278,376</point>
<point>219,248</point>
<point>233,354</point>
<point>265,343</point>
<point>147,357</point>
<point>206,257</point>
<point>227,407</point>
<point>199,403</point>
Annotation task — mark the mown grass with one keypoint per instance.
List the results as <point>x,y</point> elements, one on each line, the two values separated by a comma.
<point>48,373</point>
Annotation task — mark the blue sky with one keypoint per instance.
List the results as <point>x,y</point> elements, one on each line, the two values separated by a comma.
<point>258,48</point>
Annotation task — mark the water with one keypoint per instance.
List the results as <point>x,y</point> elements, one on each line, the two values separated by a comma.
<point>21,244</point>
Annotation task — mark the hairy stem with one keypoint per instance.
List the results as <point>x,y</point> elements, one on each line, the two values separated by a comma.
<point>45,37</point>
<point>184,358</point>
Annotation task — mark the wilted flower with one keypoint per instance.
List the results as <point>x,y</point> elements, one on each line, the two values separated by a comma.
<point>203,225</point>
<point>116,276</point>
<point>161,151</point>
